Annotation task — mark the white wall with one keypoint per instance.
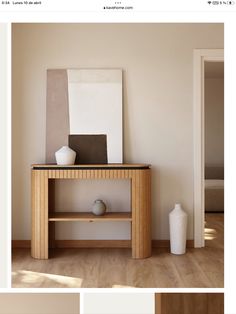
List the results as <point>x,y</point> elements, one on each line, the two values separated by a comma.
<point>39,303</point>
<point>119,303</point>
<point>3,165</point>
<point>157,61</point>
<point>214,121</point>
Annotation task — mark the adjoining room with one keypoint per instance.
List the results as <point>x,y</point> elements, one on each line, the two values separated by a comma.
<point>214,153</point>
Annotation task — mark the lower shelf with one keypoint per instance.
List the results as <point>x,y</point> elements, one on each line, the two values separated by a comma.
<point>89,217</point>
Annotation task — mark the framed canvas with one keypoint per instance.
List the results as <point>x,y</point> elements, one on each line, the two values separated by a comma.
<point>84,102</point>
<point>95,106</point>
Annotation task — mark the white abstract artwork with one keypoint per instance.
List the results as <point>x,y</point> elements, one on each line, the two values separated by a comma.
<point>95,106</point>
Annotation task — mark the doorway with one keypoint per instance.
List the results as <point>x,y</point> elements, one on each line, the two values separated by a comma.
<point>202,59</point>
<point>214,153</point>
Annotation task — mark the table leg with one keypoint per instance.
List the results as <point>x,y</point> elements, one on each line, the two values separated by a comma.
<point>39,199</point>
<point>141,213</point>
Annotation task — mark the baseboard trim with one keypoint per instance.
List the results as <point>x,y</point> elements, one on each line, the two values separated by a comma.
<point>21,244</point>
<point>26,244</point>
<point>92,244</point>
<point>166,243</point>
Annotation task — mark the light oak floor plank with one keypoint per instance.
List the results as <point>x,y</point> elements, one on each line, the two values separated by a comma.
<point>107,268</point>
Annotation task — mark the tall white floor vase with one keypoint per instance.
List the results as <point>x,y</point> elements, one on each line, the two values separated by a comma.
<point>178,230</point>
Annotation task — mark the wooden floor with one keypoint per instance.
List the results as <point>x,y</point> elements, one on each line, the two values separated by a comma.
<point>107,268</point>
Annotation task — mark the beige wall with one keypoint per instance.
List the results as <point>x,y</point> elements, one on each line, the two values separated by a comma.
<point>157,61</point>
<point>214,121</point>
<point>39,303</point>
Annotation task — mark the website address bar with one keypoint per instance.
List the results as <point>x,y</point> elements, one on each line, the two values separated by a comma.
<point>117,5</point>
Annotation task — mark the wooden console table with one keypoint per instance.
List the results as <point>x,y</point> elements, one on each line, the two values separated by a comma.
<point>44,213</point>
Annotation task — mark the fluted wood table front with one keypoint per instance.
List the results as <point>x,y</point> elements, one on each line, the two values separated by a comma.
<point>43,213</point>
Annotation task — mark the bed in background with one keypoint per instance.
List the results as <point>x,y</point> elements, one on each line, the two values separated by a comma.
<point>214,189</point>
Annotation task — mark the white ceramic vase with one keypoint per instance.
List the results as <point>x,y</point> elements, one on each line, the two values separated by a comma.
<point>178,230</point>
<point>99,208</point>
<point>65,156</point>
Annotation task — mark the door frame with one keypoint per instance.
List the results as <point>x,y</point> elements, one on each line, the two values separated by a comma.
<point>200,57</point>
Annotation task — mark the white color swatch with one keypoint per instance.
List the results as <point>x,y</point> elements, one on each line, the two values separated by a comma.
<point>119,303</point>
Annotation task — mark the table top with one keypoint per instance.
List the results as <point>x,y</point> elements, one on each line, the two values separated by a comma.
<point>90,166</point>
